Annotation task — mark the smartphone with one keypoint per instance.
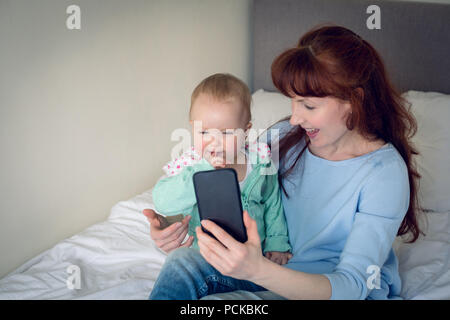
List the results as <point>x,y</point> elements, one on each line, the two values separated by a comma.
<point>219,200</point>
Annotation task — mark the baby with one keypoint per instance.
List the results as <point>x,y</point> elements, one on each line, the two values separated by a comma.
<point>220,120</point>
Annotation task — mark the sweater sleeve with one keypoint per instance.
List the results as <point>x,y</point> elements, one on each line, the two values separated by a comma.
<point>383,203</point>
<point>175,194</point>
<point>274,219</point>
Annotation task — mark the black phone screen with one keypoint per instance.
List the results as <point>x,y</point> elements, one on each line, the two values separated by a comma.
<point>219,200</point>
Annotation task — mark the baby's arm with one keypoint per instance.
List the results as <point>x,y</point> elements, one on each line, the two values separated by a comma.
<point>175,194</point>
<point>275,222</point>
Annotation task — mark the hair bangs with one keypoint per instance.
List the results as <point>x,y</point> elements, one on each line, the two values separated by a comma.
<point>298,72</point>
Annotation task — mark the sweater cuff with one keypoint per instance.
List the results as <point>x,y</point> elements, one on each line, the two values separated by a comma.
<point>344,287</point>
<point>277,243</point>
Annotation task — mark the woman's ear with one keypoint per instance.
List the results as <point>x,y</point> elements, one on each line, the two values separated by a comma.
<point>360,93</point>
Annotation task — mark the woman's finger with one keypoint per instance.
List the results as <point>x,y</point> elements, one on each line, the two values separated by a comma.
<point>182,236</point>
<point>178,233</point>
<point>188,242</point>
<point>152,217</point>
<point>210,255</point>
<point>157,233</point>
<point>169,231</point>
<point>167,247</point>
<point>175,243</point>
<point>213,259</point>
<point>170,246</point>
<point>221,235</point>
<point>211,243</point>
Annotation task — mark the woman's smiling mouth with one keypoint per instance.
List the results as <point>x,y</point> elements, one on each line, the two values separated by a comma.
<point>312,132</point>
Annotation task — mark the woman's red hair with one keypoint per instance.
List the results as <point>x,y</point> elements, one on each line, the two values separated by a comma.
<point>334,61</point>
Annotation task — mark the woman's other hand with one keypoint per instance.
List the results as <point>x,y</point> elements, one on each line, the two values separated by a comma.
<point>168,237</point>
<point>229,256</point>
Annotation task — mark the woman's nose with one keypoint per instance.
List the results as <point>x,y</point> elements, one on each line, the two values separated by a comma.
<point>297,115</point>
<point>296,119</point>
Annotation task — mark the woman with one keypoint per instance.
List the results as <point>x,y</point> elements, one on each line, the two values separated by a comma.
<point>349,186</point>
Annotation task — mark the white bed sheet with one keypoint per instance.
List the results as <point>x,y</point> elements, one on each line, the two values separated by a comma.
<point>118,260</point>
<point>425,264</point>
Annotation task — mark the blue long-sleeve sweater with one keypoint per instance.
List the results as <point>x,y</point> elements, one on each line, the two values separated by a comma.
<point>343,217</point>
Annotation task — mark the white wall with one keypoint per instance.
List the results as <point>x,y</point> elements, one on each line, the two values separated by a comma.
<point>86,115</point>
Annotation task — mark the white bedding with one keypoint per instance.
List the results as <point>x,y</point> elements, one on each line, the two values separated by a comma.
<point>425,264</point>
<point>118,260</point>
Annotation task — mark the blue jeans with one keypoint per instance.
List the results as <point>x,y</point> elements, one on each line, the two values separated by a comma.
<point>186,275</point>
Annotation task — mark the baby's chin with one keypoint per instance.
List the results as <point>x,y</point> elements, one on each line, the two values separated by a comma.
<point>233,161</point>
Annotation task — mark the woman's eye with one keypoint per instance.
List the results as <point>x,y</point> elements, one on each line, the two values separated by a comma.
<point>302,102</point>
<point>203,132</point>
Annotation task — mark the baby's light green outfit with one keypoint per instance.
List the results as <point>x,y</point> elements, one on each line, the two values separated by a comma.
<point>260,194</point>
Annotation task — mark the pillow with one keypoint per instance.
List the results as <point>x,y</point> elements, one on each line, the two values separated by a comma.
<point>432,112</point>
<point>268,107</point>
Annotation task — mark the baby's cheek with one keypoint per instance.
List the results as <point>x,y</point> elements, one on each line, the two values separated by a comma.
<point>205,143</point>
<point>200,144</point>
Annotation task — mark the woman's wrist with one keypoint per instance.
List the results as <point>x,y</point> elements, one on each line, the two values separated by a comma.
<point>262,271</point>
<point>291,284</point>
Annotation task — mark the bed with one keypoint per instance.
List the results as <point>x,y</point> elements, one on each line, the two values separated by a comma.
<point>116,259</point>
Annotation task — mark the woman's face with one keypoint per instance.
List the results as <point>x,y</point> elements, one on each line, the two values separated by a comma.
<point>327,116</point>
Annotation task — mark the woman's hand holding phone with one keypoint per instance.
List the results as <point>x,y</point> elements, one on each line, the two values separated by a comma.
<point>229,256</point>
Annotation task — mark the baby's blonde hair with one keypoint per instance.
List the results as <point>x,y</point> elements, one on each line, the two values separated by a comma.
<point>223,86</point>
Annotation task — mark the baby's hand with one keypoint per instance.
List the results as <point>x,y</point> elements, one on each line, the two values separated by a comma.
<point>278,257</point>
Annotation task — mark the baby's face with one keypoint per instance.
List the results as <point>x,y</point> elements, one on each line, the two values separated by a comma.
<point>218,127</point>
